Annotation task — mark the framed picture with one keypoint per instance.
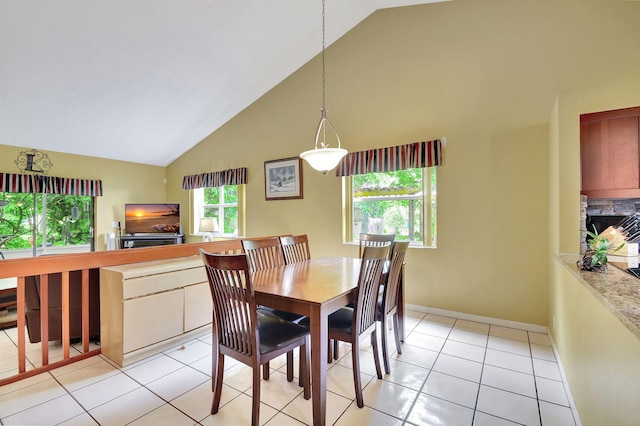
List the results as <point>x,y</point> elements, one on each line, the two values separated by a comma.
<point>283,179</point>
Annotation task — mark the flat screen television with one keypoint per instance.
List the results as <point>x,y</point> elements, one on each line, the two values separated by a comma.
<point>152,218</point>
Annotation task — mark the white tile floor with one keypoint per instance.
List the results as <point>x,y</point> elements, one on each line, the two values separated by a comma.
<point>451,372</point>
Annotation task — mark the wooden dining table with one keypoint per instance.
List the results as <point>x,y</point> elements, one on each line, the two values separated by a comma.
<point>314,288</point>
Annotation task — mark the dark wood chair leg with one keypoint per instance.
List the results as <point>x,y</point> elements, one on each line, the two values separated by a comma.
<point>396,332</point>
<point>300,381</point>
<point>255,410</point>
<point>217,384</point>
<point>290,366</point>
<point>305,368</point>
<point>336,349</point>
<point>265,371</point>
<point>385,348</point>
<point>376,357</point>
<point>301,360</point>
<point>357,383</point>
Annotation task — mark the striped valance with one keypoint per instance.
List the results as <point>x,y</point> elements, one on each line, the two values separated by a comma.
<point>212,179</point>
<point>11,182</point>
<point>411,156</point>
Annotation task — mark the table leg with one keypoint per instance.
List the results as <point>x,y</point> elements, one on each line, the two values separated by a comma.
<point>319,335</point>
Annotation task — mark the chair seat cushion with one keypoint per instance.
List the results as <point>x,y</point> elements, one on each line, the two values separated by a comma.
<point>289,316</point>
<point>341,320</point>
<point>276,333</point>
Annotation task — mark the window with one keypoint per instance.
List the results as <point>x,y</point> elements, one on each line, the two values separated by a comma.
<point>400,202</point>
<point>62,223</point>
<point>221,203</point>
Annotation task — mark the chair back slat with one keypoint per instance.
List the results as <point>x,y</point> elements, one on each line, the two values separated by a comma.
<point>264,253</point>
<point>373,259</point>
<point>234,305</point>
<point>398,252</point>
<point>295,248</point>
<point>375,240</point>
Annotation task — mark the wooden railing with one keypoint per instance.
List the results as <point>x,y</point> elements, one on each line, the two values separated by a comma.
<point>84,262</point>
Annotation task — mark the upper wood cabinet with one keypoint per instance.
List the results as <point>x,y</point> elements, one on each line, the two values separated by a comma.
<point>610,153</point>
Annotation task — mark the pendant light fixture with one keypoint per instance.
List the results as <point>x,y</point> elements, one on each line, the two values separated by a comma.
<point>323,158</point>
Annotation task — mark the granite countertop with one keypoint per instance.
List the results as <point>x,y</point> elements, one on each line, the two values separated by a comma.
<point>616,289</point>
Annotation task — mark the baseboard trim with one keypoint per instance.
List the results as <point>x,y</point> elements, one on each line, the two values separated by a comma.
<point>479,318</point>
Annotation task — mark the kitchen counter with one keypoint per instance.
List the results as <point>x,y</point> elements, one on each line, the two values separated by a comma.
<point>617,290</point>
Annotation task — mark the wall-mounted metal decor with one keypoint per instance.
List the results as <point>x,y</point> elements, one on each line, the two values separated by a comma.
<point>34,161</point>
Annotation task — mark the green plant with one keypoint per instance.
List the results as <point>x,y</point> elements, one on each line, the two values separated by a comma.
<point>599,245</point>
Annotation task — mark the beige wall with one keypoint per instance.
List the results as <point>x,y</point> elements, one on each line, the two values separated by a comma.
<point>122,182</point>
<point>485,75</point>
<point>600,356</point>
<point>505,82</point>
<point>405,75</point>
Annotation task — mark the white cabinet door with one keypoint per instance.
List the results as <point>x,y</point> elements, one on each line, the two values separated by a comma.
<point>152,319</point>
<point>198,306</point>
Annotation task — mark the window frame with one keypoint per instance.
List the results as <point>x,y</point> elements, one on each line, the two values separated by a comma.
<point>47,224</point>
<point>198,206</point>
<point>428,211</point>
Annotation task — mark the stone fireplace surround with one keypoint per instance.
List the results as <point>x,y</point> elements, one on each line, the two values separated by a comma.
<point>620,207</point>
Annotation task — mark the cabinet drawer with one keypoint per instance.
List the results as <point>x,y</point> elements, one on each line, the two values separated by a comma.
<point>152,319</point>
<point>198,306</point>
<point>137,287</point>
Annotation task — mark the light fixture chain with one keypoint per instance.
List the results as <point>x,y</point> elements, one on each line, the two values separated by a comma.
<point>324,104</point>
<point>323,158</point>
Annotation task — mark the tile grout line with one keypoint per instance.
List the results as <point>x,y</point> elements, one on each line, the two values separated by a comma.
<point>535,382</point>
<point>484,359</point>
<point>430,369</point>
<point>530,346</point>
<point>163,399</point>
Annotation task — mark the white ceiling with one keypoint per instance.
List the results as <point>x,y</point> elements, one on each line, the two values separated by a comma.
<point>146,80</point>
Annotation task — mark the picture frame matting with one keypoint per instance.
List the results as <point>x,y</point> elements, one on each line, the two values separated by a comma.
<point>283,179</point>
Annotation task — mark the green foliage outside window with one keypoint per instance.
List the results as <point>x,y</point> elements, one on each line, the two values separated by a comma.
<point>402,179</point>
<point>394,202</point>
<point>230,194</point>
<point>17,218</point>
<point>223,198</point>
<point>212,195</point>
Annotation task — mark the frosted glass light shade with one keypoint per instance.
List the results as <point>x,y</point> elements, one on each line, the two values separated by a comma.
<point>323,159</point>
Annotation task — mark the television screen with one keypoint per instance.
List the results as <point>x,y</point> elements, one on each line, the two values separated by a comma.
<point>152,218</point>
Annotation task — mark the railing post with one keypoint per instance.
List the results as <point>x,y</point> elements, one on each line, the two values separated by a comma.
<point>85,310</point>
<point>44,317</point>
<point>64,294</point>
<point>41,267</point>
<point>20,300</point>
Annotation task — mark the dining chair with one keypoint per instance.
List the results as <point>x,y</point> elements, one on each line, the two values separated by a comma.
<point>295,248</point>
<point>367,240</point>
<point>370,240</point>
<point>375,240</point>
<point>388,299</point>
<point>262,254</point>
<point>239,332</point>
<point>349,324</point>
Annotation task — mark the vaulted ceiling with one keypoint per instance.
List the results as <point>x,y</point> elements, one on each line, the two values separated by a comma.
<point>146,80</point>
